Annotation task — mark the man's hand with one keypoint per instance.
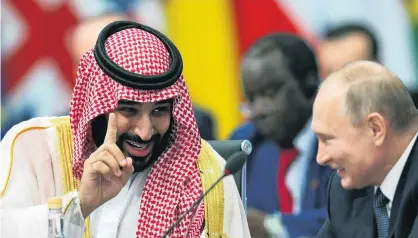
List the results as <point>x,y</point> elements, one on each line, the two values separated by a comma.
<point>105,173</point>
<point>256,223</point>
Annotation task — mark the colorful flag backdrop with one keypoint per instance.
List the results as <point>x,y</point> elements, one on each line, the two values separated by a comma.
<point>212,35</point>
<point>38,70</point>
<point>412,7</point>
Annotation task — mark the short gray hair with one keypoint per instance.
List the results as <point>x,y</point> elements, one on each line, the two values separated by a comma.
<point>373,88</point>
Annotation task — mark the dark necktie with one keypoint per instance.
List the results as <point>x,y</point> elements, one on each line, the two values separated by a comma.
<point>381,214</point>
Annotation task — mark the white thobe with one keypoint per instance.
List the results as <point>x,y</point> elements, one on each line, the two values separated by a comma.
<point>30,174</point>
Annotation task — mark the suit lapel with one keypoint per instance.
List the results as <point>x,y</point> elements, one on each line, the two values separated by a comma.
<point>397,200</point>
<point>362,215</point>
<point>404,190</point>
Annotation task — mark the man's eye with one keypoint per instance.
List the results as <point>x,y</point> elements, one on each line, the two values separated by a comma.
<point>160,110</point>
<point>325,139</point>
<point>127,109</point>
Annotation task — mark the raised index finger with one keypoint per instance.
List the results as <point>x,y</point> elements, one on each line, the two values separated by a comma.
<point>111,129</point>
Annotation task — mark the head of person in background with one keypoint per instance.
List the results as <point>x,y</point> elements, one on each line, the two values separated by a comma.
<point>347,43</point>
<point>84,35</point>
<point>280,78</point>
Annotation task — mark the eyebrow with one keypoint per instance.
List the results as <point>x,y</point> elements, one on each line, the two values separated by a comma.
<point>133,103</point>
<point>167,101</point>
<point>324,135</point>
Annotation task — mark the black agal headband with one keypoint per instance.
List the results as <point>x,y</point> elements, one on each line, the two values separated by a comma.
<point>127,78</point>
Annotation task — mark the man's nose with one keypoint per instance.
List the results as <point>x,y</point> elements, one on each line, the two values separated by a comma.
<point>260,108</point>
<point>322,157</point>
<point>144,129</point>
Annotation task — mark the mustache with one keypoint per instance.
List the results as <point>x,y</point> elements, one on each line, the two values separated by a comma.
<point>135,138</point>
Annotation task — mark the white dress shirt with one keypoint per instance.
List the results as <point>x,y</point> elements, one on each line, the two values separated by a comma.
<point>390,183</point>
<point>30,168</point>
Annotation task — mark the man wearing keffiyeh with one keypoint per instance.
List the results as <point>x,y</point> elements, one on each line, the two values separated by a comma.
<point>129,160</point>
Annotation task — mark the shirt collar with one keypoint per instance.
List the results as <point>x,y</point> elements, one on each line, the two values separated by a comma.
<point>389,184</point>
<point>305,138</point>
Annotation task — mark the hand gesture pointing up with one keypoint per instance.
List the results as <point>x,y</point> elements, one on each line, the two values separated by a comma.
<point>106,171</point>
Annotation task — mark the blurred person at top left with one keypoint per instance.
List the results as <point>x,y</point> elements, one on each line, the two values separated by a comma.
<point>84,35</point>
<point>80,39</point>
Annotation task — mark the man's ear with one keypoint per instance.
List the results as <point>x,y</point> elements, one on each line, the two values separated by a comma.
<point>378,127</point>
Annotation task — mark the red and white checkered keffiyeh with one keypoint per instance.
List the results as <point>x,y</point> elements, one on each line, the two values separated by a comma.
<point>173,183</point>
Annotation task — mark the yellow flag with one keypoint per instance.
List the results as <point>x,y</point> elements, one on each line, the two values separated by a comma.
<point>204,32</point>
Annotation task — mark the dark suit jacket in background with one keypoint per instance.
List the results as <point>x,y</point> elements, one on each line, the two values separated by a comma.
<point>262,166</point>
<point>205,123</point>
<point>350,212</point>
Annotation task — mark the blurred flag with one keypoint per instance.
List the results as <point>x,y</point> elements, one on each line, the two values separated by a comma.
<point>389,19</point>
<point>37,66</point>
<point>412,7</point>
<point>38,69</point>
<point>204,31</point>
<point>213,34</point>
<point>255,19</point>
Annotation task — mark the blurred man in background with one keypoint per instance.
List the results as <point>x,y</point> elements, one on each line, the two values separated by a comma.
<point>347,43</point>
<point>80,39</point>
<point>286,188</point>
<point>84,35</point>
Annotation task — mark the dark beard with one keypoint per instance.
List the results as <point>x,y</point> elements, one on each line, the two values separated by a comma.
<point>99,127</point>
<point>141,163</point>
